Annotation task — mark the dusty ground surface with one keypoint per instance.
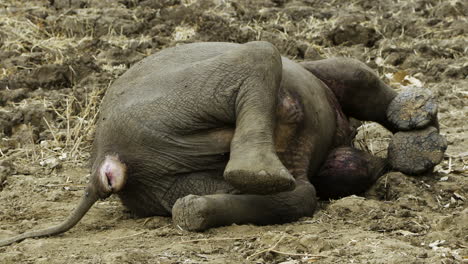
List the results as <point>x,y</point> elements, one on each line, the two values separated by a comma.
<point>58,57</point>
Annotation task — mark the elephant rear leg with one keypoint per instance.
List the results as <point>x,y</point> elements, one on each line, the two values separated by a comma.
<point>253,166</point>
<point>347,171</point>
<point>198,213</point>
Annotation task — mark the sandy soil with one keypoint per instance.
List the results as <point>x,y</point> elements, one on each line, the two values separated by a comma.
<point>58,57</point>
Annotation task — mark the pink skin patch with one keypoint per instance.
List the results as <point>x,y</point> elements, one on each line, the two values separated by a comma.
<point>112,174</point>
<point>108,173</point>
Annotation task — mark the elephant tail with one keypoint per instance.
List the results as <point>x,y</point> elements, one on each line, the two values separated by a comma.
<point>88,199</point>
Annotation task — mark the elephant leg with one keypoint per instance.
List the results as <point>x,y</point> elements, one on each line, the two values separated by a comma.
<point>360,92</point>
<point>253,166</point>
<point>196,183</point>
<point>347,171</point>
<point>198,213</point>
<point>362,95</point>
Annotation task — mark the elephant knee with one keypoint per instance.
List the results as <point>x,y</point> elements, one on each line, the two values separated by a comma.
<point>262,49</point>
<point>263,54</point>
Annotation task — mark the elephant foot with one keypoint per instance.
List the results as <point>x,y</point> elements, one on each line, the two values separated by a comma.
<point>259,173</point>
<point>193,213</point>
<point>412,109</point>
<point>416,152</point>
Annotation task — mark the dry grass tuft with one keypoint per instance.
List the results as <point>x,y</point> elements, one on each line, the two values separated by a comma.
<point>71,133</point>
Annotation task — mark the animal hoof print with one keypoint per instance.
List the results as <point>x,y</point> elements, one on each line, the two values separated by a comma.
<point>261,181</point>
<point>191,213</point>
<point>416,152</point>
<point>412,109</point>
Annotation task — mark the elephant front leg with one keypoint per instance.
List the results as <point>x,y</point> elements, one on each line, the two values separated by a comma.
<point>198,213</point>
<point>413,109</point>
<point>417,147</point>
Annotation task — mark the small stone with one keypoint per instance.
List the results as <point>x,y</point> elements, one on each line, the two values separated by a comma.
<point>51,163</point>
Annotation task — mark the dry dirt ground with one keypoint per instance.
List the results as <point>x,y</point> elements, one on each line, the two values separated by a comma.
<point>58,57</point>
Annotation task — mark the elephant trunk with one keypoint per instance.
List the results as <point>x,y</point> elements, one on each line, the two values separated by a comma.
<point>88,199</point>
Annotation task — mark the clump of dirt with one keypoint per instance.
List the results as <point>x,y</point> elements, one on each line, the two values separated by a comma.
<point>58,57</point>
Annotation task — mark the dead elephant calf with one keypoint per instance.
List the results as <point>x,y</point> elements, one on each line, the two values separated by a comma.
<point>220,133</point>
